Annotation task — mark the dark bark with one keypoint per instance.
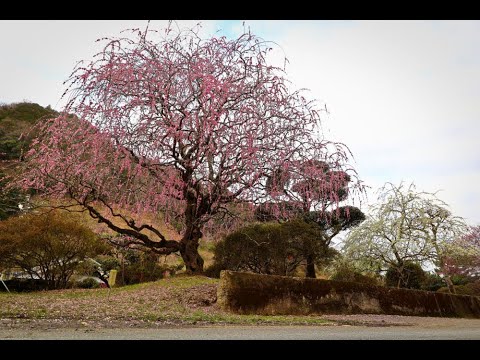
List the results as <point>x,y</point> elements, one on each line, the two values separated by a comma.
<point>162,247</point>
<point>189,251</point>
<point>188,246</point>
<point>190,240</point>
<point>310,273</point>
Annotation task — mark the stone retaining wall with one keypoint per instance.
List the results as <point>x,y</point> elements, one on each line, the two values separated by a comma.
<point>248,293</point>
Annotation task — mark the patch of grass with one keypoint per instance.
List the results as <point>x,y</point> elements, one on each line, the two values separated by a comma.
<point>201,317</point>
<point>40,313</point>
<point>223,318</point>
<point>184,281</point>
<point>178,281</point>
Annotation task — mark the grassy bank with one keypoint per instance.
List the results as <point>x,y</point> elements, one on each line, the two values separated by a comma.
<point>181,300</point>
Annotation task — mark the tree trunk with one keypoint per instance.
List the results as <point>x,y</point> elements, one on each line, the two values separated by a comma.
<point>310,273</point>
<point>451,288</point>
<point>189,251</point>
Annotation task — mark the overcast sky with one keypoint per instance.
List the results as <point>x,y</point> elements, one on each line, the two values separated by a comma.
<point>403,95</point>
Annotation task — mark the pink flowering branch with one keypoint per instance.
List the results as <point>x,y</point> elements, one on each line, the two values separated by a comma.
<point>170,122</point>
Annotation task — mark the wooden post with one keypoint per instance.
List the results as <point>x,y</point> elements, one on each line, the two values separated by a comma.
<point>112,277</point>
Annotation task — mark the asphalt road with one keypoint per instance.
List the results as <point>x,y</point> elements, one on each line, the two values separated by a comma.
<point>467,331</point>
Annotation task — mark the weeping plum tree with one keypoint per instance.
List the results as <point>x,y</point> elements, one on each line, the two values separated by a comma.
<point>168,122</point>
<point>464,260</point>
<point>406,226</point>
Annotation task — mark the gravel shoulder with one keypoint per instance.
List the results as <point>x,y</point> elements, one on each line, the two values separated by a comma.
<point>364,320</point>
<point>349,327</point>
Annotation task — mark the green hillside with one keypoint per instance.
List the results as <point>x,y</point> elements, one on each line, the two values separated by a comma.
<point>17,119</point>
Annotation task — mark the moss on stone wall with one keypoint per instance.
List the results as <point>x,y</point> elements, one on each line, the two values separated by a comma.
<point>248,293</point>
